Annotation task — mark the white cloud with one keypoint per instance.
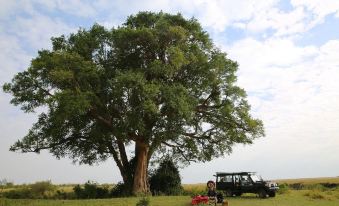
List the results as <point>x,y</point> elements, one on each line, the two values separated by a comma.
<point>6,8</point>
<point>304,16</point>
<point>320,8</point>
<point>284,23</point>
<point>12,57</point>
<point>292,88</point>
<point>73,7</point>
<point>77,7</point>
<point>295,91</point>
<point>257,56</point>
<point>38,30</point>
<point>220,14</point>
<point>316,11</point>
<point>255,16</point>
<point>215,14</point>
<point>298,102</point>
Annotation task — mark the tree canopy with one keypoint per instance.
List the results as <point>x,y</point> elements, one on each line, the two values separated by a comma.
<point>156,83</point>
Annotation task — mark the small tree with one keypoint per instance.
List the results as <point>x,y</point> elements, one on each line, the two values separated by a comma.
<point>40,188</point>
<point>166,179</point>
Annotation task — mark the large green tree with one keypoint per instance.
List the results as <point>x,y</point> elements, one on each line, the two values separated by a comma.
<point>157,83</point>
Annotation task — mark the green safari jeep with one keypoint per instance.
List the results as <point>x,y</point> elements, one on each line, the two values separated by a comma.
<point>237,183</point>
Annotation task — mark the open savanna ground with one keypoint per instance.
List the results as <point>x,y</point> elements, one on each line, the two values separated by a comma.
<point>313,194</point>
<point>292,198</point>
<point>310,181</point>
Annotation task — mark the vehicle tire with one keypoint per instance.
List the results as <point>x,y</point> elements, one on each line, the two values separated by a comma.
<point>271,194</point>
<point>228,193</point>
<point>262,193</point>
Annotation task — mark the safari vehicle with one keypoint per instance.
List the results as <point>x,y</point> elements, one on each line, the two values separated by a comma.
<point>237,183</point>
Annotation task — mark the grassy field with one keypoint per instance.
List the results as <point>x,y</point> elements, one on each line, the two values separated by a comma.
<point>304,181</point>
<point>293,198</point>
<point>318,196</point>
<point>308,181</point>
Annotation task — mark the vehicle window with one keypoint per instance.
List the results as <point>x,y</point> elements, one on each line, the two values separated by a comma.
<point>245,180</point>
<point>228,178</point>
<point>256,178</point>
<point>221,179</point>
<point>237,179</point>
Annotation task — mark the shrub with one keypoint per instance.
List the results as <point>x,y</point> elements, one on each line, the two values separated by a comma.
<point>91,190</point>
<point>318,187</point>
<point>336,195</point>
<point>23,193</point>
<point>119,190</point>
<point>166,179</point>
<point>37,190</point>
<point>297,186</point>
<point>330,185</point>
<point>40,189</point>
<point>283,189</point>
<point>145,201</point>
<point>78,191</point>
<point>61,194</point>
<point>314,194</point>
<point>102,192</point>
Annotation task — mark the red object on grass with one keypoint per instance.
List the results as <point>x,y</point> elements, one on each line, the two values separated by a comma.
<point>199,199</point>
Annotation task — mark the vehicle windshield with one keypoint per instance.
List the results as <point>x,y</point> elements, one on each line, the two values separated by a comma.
<point>256,178</point>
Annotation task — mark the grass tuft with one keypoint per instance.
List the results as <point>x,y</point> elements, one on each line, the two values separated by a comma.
<point>314,194</point>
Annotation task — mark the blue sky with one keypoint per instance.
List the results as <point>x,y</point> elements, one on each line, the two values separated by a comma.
<point>288,63</point>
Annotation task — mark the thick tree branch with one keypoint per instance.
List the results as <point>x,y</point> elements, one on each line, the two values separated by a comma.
<point>180,151</point>
<point>101,119</point>
<point>45,91</point>
<point>115,156</point>
<point>122,152</point>
<point>40,146</point>
<point>205,103</point>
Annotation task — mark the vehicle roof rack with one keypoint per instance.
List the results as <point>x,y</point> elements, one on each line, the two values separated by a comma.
<point>233,173</point>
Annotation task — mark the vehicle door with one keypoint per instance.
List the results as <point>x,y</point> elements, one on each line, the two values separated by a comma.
<point>237,183</point>
<point>246,183</point>
<point>224,182</point>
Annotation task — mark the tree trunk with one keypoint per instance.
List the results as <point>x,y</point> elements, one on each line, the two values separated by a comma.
<point>128,181</point>
<point>140,185</point>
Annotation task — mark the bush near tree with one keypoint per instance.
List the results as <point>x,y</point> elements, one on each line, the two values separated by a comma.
<point>91,190</point>
<point>166,180</point>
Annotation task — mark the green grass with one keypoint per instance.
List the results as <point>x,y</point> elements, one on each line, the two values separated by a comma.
<point>155,201</point>
<point>309,181</point>
<point>293,198</point>
<point>315,196</point>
